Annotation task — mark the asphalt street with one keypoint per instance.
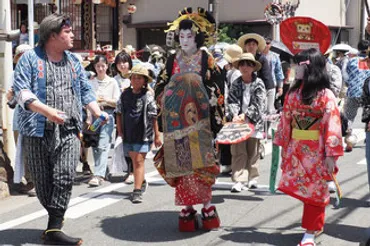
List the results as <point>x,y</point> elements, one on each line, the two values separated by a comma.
<point>105,215</point>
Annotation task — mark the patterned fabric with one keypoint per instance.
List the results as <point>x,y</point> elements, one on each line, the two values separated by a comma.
<point>186,125</point>
<point>192,187</point>
<point>276,69</point>
<point>304,173</point>
<point>30,83</point>
<point>257,103</point>
<point>52,160</point>
<point>59,92</point>
<point>357,73</point>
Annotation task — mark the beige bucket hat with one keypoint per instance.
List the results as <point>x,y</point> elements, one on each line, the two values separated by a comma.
<point>232,52</point>
<point>247,57</point>
<point>260,40</point>
<point>140,70</point>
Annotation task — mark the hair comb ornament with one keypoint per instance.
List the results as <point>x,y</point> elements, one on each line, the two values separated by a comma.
<point>203,22</point>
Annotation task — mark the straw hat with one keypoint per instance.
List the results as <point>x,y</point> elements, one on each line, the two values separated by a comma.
<point>36,25</point>
<point>20,50</point>
<point>247,57</point>
<point>232,52</point>
<point>260,40</point>
<point>139,69</point>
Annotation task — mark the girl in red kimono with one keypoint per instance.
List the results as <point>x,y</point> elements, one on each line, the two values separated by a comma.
<point>310,136</point>
<point>187,160</point>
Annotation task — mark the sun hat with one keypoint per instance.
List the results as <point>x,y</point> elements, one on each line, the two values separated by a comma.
<point>36,25</point>
<point>139,69</point>
<point>247,57</point>
<point>20,50</point>
<point>232,52</point>
<point>260,40</point>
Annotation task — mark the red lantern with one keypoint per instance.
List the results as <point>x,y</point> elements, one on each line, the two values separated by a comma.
<point>131,9</point>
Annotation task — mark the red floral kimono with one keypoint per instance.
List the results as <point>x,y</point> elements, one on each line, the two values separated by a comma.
<point>304,173</point>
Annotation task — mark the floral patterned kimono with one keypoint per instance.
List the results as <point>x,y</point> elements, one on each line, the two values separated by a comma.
<point>194,186</point>
<point>307,134</point>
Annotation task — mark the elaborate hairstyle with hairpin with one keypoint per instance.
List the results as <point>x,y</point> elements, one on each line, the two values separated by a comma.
<point>201,22</point>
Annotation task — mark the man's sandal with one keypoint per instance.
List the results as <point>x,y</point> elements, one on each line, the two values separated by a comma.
<point>58,237</point>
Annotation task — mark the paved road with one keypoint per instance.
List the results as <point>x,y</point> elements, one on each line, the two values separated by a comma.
<point>105,216</point>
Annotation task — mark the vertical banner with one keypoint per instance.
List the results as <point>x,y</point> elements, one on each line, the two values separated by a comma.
<point>275,160</point>
<point>301,33</point>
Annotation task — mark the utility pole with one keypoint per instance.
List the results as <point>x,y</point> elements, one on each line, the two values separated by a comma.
<point>6,69</point>
<point>213,8</point>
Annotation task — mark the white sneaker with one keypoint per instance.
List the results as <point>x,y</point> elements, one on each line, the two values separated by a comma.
<point>225,169</point>
<point>95,182</point>
<point>237,187</point>
<point>252,184</point>
<point>331,186</point>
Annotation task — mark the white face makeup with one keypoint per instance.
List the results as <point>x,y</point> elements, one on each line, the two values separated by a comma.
<point>187,41</point>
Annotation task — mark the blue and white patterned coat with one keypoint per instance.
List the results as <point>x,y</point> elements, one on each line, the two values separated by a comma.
<point>30,83</point>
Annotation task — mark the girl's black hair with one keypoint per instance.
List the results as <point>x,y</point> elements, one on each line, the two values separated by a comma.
<point>315,76</point>
<point>123,57</point>
<point>187,25</point>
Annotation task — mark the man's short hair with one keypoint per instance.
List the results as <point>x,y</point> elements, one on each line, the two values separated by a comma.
<point>52,24</point>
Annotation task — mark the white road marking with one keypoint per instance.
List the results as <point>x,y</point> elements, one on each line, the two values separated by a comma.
<point>362,162</point>
<point>74,202</point>
<point>100,202</point>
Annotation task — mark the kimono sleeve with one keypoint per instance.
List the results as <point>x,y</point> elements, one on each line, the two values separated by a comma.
<point>331,126</point>
<point>284,130</point>
<point>257,107</point>
<point>233,101</point>
<point>23,80</point>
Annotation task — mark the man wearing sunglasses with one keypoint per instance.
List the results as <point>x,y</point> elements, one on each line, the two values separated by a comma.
<point>51,86</point>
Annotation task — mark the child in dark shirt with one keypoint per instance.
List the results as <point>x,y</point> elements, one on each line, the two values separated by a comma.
<point>136,122</point>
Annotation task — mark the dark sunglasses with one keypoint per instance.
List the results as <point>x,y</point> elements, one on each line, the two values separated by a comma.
<point>247,63</point>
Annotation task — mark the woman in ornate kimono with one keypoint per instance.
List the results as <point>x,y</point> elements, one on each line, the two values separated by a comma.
<point>189,96</point>
<point>310,136</point>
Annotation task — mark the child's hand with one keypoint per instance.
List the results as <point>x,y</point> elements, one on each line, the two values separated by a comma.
<point>157,142</point>
<point>330,164</point>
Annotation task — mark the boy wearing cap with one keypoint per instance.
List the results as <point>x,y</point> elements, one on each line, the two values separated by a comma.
<point>246,103</point>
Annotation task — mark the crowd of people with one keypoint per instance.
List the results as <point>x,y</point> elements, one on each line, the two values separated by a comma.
<point>187,96</point>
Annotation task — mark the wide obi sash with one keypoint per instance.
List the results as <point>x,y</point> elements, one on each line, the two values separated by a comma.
<point>306,125</point>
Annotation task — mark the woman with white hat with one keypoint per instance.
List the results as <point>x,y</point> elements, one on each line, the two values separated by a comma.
<point>246,103</point>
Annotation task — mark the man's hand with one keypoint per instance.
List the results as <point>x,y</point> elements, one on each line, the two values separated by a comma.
<point>279,92</point>
<point>330,164</point>
<point>10,94</point>
<point>55,116</point>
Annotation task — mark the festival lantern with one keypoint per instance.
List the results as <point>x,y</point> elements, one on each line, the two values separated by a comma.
<point>123,1</point>
<point>131,9</point>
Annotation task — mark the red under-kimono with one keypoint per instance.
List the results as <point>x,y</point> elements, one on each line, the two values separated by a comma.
<point>304,173</point>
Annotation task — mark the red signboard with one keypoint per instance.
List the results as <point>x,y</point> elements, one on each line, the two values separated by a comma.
<point>301,33</point>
